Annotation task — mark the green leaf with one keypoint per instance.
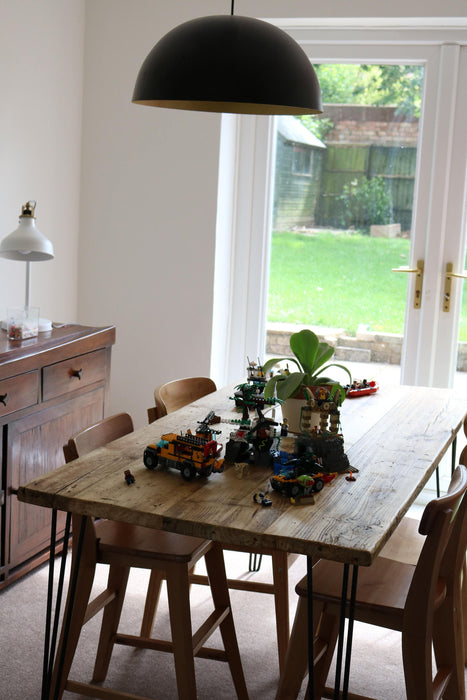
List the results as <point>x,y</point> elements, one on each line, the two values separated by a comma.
<point>304,345</point>
<point>325,352</point>
<point>270,387</point>
<point>267,367</point>
<point>334,364</point>
<point>285,385</point>
<point>311,357</point>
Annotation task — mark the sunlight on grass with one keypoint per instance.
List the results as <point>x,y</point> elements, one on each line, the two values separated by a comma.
<point>338,279</point>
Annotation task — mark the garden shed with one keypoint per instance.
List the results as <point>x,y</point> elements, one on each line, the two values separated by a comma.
<point>299,159</point>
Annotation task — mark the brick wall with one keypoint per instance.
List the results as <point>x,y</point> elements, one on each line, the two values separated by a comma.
<point>362,124</point>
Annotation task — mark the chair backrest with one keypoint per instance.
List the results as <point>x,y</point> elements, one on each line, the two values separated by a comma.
<point>444,523</point>
<point>97,435</point>
<point>173,395</point>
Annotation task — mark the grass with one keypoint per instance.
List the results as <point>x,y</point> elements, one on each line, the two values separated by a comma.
<point>341,279</point>
<point>338,280</point>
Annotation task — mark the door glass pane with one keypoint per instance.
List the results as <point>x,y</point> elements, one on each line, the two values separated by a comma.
<point>342,212</point>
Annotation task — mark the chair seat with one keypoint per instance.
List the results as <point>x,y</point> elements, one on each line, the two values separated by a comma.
<point>382,589</point>
<point>136,542</point>
<point>406,543</point>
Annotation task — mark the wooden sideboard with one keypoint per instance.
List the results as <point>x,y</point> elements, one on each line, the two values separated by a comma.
<point>51,386</point>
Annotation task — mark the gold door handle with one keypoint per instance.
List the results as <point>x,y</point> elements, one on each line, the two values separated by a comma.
<point>448,283</point>
<point>417,301</point>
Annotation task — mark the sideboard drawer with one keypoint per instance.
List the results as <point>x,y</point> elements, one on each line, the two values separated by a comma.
<point>19,392</point>
<point>73,374</point>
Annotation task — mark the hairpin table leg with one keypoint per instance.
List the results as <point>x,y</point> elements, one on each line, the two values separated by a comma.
<point>48,614</point>
<point>311,664</point>
<point>69,610</point>
<point>255,562</point>
<point>453,455</point>
<point>348,653</point>
<point>340,645</point>
<point>61,580</point>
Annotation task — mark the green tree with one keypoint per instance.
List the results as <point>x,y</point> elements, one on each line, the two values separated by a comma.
<point>378,86</point>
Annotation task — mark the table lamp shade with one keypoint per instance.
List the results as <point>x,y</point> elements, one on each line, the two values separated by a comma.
<point>27,243</point>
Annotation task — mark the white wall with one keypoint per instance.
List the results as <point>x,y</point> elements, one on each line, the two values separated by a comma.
<point>41,72</point>
<point>149,191</point>
<point>144,201</point>
<point>148,211</point>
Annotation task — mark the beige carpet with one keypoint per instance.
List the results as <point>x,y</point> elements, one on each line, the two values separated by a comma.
<point>376,661</point>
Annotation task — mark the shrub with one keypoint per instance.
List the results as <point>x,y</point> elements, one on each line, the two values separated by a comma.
<point>363,203</point>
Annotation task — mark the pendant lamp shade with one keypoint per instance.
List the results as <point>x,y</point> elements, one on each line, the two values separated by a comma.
<point>229,63</point>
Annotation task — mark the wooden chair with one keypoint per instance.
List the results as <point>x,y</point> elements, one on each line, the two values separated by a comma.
<point>167,555</point>
<point>173,395</point>
<point>422,602</point>
<point>170,397</point>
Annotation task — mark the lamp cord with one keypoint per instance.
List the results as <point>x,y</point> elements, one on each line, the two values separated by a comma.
<point>232,7</point>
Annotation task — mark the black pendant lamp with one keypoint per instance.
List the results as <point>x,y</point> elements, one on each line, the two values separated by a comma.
<point>226,63</point>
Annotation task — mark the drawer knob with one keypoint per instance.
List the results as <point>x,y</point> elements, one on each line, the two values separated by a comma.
<point>77,373</point>
<point>4,399</point>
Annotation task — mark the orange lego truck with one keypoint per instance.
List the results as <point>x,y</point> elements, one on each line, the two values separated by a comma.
<point>191,454</point>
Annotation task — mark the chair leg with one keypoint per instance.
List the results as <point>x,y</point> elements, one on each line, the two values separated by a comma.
<point>325,643</point>
<point>464,609</point>
<point>280,571</point>
<point>295,666</point>
<point>152,601</point>
<point>180,623</point>
<point>326,630</point>
<point>448,645</point>
<point>416,656</point>
<point>85,578</point>
<point>117,581</point>
<point>220,594</point>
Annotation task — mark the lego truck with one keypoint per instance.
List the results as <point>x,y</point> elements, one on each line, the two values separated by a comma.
<point>191,454</point>
<point>300,476</point>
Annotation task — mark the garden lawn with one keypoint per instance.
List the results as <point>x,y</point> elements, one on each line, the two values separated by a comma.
<point>341,279</point>
<point>338,279</point>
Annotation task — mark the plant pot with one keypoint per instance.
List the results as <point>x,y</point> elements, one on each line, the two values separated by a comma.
<point>291,409</point>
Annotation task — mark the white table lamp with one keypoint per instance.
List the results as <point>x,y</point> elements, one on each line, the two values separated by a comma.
<point>27,243</point>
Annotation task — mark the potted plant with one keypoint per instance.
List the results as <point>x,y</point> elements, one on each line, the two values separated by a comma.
<point>311,357</point>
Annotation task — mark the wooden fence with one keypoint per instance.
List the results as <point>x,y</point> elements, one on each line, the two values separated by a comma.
<point>344,164</point>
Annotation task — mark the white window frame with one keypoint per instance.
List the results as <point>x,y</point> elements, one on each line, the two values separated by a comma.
<point>246,175</point>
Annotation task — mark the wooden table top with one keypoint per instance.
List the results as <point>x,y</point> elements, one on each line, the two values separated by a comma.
<point>395,438</point>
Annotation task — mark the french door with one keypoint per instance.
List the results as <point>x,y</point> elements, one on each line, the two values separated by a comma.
<point>438,234</point>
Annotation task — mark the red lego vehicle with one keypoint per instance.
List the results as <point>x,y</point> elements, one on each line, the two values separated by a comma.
<point>361,388</point>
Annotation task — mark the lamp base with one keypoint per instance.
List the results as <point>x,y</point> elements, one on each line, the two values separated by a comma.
<point>44,325</point>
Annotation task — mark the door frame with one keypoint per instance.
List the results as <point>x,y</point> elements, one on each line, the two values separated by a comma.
<point>245,191</point>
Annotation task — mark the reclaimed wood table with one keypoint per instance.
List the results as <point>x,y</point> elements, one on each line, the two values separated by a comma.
<point>395,439</point>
